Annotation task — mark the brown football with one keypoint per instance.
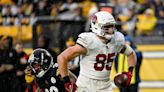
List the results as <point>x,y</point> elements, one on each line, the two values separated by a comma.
<point>120,80</point>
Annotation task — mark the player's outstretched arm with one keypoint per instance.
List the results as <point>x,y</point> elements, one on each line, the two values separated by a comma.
<point>131,62</point>
<point>67,55</point>
<point>131,58</point>
<point>63,59</point>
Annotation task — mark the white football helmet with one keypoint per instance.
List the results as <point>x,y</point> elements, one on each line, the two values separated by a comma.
<point>40,62</point>
<point>100,23</point>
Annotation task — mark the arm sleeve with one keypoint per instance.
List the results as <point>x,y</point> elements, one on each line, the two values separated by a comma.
<point>84,40</point>
<point>128,50</point>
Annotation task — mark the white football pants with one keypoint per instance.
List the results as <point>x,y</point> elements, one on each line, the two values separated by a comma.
<point>86,84</point>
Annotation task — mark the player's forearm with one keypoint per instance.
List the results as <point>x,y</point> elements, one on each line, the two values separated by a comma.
<point>62,66</point>
<point>132,59</point>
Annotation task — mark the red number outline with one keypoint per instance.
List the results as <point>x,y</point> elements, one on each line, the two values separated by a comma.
<point>100,64</point>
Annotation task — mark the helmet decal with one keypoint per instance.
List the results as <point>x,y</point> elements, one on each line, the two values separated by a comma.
<point>94,19</point>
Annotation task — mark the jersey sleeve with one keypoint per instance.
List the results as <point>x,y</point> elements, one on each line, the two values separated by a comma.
<point>120,41</point>
<point>123,47</point>
<point>84,40</point>
<point>119,38</point>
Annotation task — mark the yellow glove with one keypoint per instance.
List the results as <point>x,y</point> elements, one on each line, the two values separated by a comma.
<point>28,75</point>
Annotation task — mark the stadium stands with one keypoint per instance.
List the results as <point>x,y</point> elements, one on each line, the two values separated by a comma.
<point>23,33</point>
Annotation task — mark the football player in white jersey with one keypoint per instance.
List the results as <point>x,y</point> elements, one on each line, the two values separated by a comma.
<point>99,49</point>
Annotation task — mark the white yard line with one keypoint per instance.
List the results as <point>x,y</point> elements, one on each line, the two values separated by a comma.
<point>150,84</point>
<point>153,54</point>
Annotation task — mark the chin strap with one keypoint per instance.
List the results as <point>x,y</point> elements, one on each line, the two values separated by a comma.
<point>40,74</point>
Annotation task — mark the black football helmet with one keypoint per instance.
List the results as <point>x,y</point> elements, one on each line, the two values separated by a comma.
<point>40,62</point>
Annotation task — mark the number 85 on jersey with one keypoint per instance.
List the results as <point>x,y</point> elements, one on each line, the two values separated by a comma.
<point>104,61</point>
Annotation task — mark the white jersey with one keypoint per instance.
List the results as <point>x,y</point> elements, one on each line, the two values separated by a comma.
<point>97,63</point>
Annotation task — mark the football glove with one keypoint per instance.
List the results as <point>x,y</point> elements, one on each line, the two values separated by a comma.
<point>127,82</point>
<point>129,76</point>
<point>69,86</point>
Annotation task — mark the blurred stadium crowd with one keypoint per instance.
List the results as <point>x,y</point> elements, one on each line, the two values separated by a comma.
<point>137,17</point>
<point>25,21</point>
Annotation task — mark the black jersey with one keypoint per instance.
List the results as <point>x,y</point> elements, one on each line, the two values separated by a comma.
<point>51,82</point>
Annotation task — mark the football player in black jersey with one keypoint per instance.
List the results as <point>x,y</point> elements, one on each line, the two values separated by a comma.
<point>46,72</point>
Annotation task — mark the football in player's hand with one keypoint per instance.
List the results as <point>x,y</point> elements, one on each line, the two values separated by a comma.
<point>120,80</point>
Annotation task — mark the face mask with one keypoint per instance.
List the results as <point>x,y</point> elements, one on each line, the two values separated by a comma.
<point>109,37</point>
